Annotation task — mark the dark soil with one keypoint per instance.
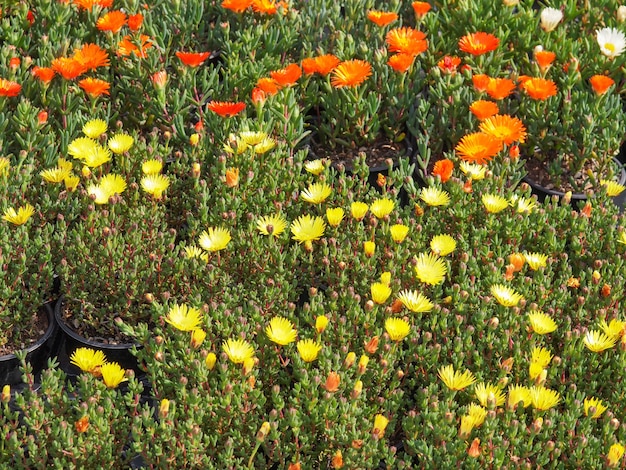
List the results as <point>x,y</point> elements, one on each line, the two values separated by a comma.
<point>39,325</point>
<point>91,332</point>
<point>376,154</point>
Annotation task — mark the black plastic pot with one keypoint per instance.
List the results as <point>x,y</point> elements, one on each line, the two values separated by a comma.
<point>37,355</point>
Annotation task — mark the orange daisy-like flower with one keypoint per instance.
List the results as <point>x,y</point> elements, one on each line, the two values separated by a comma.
<point>505,128</point>
<point>539,88</point>
<point>192,59</point>
<point>287,76</point>
<point>135,22</point>
<point>351,73</point>
<point>89,4</point>
<point>94,87</point>
<point>381,18</point>
<point>238,6</point>
<point>9,88</point>
<point>483,109</point>
<point>544,59</point>
<point>226,108</point>
<point>449,64</point>
<point>91,56</point>
<point>326,63</point>
<point>112,21</point>
<point>478,147</point>
<point>45,74</point>
<point>406,40</point>
<point>443,169</point>
<point>401,62</point>
<point>420,8</point>
<point>481,81</point>
<point>309,66</point>
<point>267,7</point>
<point>127,47</point>
<point>68,68</point>
<point>500,88</point>
<point>478,43</point>
<point>268,85</point>
<point>601,83</point>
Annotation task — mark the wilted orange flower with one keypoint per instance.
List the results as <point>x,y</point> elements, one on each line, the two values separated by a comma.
<point>126,47</point>
<point>287,76</point>
<point>232,177</point>
<point>474,449</point>
<point>500,88</point>
<point>226,108</point>
<point>159,79</point>
<point>112,21</point>
<point>68,68</point>
<point>406,40</point>
<point>268,85</point>
<point>135,22</point>
<point>420,8</point>
<point>586,210</point>
<point>606,290</point>
<point>9,88</point>
<point>91,56</point>
<point>95,87</point>
<point>332,382</point>
<point>514,151</point>
<point>192,59</point>
<point>238,6</point>
<point>45,74</point>
<point>351,73</point>
<point>443,169</point>
<point>381,18</point>
<point>449,64</point>
<point>601,83</point>
<point>483,109</point>
<point>544,59</point>
<point>82,424</point>
<point>505,128</point>
<point>481,81</point>
<point>401,62</point>
<point>539,88</point>
<point>478,147</point>
<point>478,43</point>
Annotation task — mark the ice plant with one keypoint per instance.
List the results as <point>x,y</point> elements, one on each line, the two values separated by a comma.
<point>597,341</point>
<point>281,331</point>
<point>443,169</point>
<point>381,18</point>
<point>543,398</point>
<point>539,88</point>
<point>350,73</point>
<point>112,21</point>
<point>397,328</point>
<point>612,42</point>
<point>113,374</point>
<point>474,171</point>
<point>478,43</point>
<point>316,193</point>
<point>494,203</point>
<point>594,404</point>
<point>88,360</point>
<point>430,269</point>
<point>214,239</point>
<point>614,329</point>
<point>315,166</point>
<point>442,245</point>
<point>271,225</point>
<point>334,216</point>
<point>9,88</point>
<point>380,424</point>
<point>613,188</point>
<point>306,229</point>
<point>550,18</point>
<point>19,217</point>
<point>478,147</point>
<point>152,167</point>
<point>406,40</point>
<point>226,108</point>
<point>308,349</point>
<point>238,350</point>
<point>536,260</point>
<point>615,454</point>
<point>380,292</point>
<point>155,185</point>
<point>455,380</point>
<point>95,87</point>
<point>507,129</point>
<point>94,128</point>
<point>192,59</point>
<point>415,301</point>
<point>505,295</point>
<point>601,84</point>
<point>382,207</point>
<point>358,210</point>
<point>120,143</point>
<point>516,394</point>
<point>541,323</point>
<point>489,395</point>
<point>184,318</point>
<point>434,196</point>
<point>398,232</point>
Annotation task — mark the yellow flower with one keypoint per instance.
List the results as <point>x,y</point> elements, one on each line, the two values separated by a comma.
<point>613,188</point>
<point>109,185</point>
<point>334,216</point>
<point>595,403</point>
<point>281,331</point>
<point>88,360</point>
<point>320,323</point>
<point>96,156</point>
<point>616,452</point>
<point>112,374</point>
<point>94,128</point>
<point>80,147</point>
<point>397,328</point>
<point>5,164</point>
<point>442,245</point>
<point>382,207</point>
<point>415,301</point>
<point>524,205</point>
<point>489,395</point>
<point>315,166</point>
<point>505,295</point>
<point>271,225</point>
<point>477,412</point>
<point>541,323</point>
<point>614,329</point>
<point>380,292</point>
<point>308,349</point>
<point>120,143</point>
<point>468,423</point>
<point>380,424</point>
<point>358,210</point>
<point>155,184</point>
<point>541,356</point>
<point>238,350</point>
<point>536,260</point>
<point>55,175</point>
<point>252,137</point>
<point>369,248</point>
<point>307,228</point>
<point>184,318</point>
<point>193,251</point>
<point>19,217</point>
<point>473,170</point>
<point>494,203</point>
<point>210,360</point>
<point>398,232</point>
<point>454,379</point>
<point>435,196</point>
<point>597,341</point>
<point>152,167</point>
<point>385,278</point>
<point>71,182</point>
<point>316,193</point>
<point>197,338</point>
<point>215,239</point>
<point>543,398</point>
<point>264,146</point>
<point>430,269</point>
<point>518,393</point>
<point>65,164</point>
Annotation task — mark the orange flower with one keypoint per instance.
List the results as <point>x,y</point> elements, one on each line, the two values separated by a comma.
<point>505,128</point>
<point>90,56</point>
<point>443,169</point>
<point>287,76</point>
<point>420,8</point>
<point>9,88</point>
<point>232,177</point>
<point>474,449</point>
<point>351,73</point>
<point>126,47</point>
<point>517,260</point>
<point>478,43</point>
<point>544,59</point>
<point>500,88</point>
<point>264,6</point>
<point>135,22</point>
<point>309,65</point>
<point>268,85</point>
<point>89,4</point>
<point>159,79</point>
<point>238,6</point>
<point>483,109</point>
<point>406,40</point>
<point>601,83</point>
<point>481,81</point>
<point>449,64</point>
<point>539,88</point>
<point>112,21</point>
<point>82,424</point>
<point>401,62</point>
<point>258,96</point>
<point>326,63</point>
<point>94,87</point>
<point>45,74</point>
<point>14,62</point>
<point>192,59</point>
<point>381,18</point>
<point>68,68</point>
<point>478,147</point>
<point>332,382</point>
<point>226,108</point>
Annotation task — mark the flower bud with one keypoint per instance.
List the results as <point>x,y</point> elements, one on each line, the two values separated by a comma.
<point>6,394</point>
<point>332,382</point>
<point>210,360</point>
<point>474,449</point>
<point>337,460</point>
<point>263,432</point>
<point>320,323</point>
<point>197,338</point>
<point>164,408</point>
<point>372,345</point>
<point>356,391</point>
<point>194,139</point>
<point>621,13</point>
<point>368,248</point>
<point>363,364</point>
<point>349,361</point>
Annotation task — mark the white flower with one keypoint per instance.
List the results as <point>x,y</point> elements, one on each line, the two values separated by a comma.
<point>550,18</point>
<point>612,41</point>
<point>621,13</point>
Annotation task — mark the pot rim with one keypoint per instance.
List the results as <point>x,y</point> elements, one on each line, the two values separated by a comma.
<point>42,340</point>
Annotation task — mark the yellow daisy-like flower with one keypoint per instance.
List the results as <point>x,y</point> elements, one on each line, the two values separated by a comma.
<point>88,360</point>
<point>308,349</point>
<point>80,147</point>
<point>264,146</point>
<point>468,423</point>
<point>442,245</point>
<point>380,292</point>
<point>358,210</point>
<point>616,452</point>
<point>397,328</point>
<point>315,167</point>
<point>334,215</point>
<point>113,374</point>
<point>55,175</point>
<point>65,164</point>
<point>478,413</point>
<point>271,225</point>
<point>307,228</point>
<point>517,394</point>
<point>120,143</point>
<point>97,155</point>
<point>385,278</point>
<point>541,323</point>
<point>597,341</point>
<point>184,318</point>
<point>494,203</point>
<point>415,301</point>
<point>71,182</point>
<point>489,395</point>
<point>193,251</point>
<point>613,188</point>
<point>5,164</point>
<point>398,232</point>
<point>430,269</point>
<point>155,184</point>
<point>536,260</point>
<point>454,379</point>
<point>316,193</point>
<point>281,331</point>
<point>19,217</point>
<point>238,350</point>
<point>523,205</point>
<point>252,137</point>
<point>95,128</point>
<point>435,196</point>
<point>215,239</point>
<point>382,207</point>
<point>614,329</point>
<point>596,403</point>
<point>541,356</point>
<point>505,295</point>
<point>152,167</point>
<point>543,398</point>
<point>473,170</point>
